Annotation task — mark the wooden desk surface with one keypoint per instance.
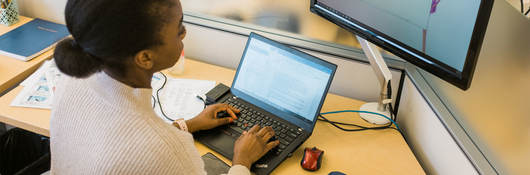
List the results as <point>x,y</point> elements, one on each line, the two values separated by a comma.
<point>365,152</point>
<point>12,70</point>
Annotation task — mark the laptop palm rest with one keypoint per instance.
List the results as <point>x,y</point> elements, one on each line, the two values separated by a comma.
<point>223,143</point>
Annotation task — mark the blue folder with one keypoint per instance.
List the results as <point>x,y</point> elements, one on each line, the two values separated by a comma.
<point>31,39</point>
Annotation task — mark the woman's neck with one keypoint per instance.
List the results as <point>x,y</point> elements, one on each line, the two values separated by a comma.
<point>134,79</point>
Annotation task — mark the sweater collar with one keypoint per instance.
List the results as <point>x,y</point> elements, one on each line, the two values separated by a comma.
<point>121,95</point>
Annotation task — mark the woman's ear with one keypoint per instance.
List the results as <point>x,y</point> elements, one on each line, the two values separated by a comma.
<point>144,59</point>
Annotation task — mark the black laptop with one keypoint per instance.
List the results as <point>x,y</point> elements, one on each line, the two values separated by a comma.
<point>275,86</point>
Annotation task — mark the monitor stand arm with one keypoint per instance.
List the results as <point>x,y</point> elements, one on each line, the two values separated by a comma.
<point>383,76</point>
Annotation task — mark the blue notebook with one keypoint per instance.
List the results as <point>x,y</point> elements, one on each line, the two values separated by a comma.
<point>31,39</point>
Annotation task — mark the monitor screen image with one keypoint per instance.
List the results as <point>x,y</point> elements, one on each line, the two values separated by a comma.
<point>441,36</point>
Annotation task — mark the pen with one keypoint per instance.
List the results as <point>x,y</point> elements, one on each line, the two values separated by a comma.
<point>4,5</point>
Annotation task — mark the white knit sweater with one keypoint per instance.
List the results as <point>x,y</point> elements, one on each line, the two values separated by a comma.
<point>102,126</point>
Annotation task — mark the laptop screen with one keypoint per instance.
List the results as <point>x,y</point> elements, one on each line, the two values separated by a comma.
<point>290,81</point>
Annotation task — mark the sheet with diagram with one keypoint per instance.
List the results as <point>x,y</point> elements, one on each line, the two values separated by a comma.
<point>39,87</point>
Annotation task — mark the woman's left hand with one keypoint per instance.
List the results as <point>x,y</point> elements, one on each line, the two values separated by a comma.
<point>207,119</point>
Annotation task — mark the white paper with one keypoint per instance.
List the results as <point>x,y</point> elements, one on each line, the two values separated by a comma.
<point>36,95</point>
<point>33,78</point>
<point>179,97</point>
<point>53,75</point>
<point>39,87</point>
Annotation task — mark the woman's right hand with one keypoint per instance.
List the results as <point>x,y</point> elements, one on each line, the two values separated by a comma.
<point>252,145</point>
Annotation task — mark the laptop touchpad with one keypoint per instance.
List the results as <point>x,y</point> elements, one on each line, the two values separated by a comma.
<point>223,142</point>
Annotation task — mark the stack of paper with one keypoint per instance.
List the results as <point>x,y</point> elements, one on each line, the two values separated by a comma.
<point>39,87</point>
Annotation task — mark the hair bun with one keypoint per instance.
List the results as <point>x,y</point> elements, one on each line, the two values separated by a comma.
<point>72,60</point>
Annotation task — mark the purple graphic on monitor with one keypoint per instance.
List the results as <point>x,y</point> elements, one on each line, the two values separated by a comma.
<point>433,6</point>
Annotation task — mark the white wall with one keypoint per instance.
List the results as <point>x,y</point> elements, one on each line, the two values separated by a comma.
<point>52,10</point>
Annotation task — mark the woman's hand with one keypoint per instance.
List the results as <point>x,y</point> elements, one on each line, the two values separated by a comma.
<point>207,119</point>
<point>252,145</point>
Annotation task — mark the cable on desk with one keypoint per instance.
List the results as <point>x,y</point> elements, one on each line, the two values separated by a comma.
<point>154,101</point>
<point>203,101</point>
<point>368,112</point>
<point>522,9</point>
<point>361,128</point>
<point>158,98</point>
<point>522,6</point>
<point>389,96</point>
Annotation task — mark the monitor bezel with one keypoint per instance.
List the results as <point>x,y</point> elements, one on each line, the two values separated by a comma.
<point>461,79</point>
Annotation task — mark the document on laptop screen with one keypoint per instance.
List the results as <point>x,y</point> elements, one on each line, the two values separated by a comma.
<point>282,79</point>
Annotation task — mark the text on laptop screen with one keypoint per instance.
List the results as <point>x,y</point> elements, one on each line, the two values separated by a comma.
<point>282,79</point>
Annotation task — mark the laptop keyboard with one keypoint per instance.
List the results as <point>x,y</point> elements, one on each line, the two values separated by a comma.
<point>249,117</point>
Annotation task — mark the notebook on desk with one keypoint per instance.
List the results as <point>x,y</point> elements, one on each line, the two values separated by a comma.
<point>31,39</point>
<point>275,86</point>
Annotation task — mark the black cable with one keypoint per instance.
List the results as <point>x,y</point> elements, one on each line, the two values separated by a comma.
<point>350,124</point>
<point>362,128</point>
<point>203,101</point>
<point>391,108</point>
<point>154,101</point>
<point>158,97</point>
<point>528,11</point>
<point>522,6</point>
<point>340,123</point>
<point>393,116</point>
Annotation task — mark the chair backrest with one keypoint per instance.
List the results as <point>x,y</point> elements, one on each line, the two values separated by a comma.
<point>20,148</point>
<point>40,166</point>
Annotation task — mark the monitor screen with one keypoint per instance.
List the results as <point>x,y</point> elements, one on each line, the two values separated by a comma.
<point>281,77</point>
<point>440,36</point>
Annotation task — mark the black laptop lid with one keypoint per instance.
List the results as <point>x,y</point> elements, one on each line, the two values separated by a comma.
<point>284,81</point>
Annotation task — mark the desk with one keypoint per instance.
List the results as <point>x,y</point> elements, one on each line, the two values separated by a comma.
<point>365,152</point>
<point>12,70</point>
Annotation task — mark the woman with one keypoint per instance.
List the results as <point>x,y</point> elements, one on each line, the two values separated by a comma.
<point>102,120</point>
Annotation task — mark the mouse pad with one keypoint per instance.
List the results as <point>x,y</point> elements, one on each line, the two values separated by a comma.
<point>214,165</point>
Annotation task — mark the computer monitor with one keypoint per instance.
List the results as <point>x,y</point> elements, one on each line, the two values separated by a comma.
<point>443,37</point>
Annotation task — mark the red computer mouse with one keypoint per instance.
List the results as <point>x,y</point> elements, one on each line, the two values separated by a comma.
<point>312,159</point>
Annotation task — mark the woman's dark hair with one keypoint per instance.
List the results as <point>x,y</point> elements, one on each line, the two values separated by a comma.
<point>107,32</point>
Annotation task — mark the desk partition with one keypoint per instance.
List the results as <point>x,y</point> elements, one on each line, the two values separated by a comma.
<point>495,111</point>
